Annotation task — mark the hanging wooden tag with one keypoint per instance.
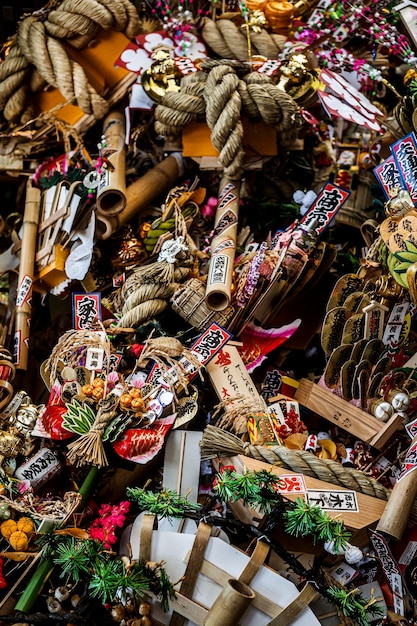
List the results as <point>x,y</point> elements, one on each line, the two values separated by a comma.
<point>374,320</point>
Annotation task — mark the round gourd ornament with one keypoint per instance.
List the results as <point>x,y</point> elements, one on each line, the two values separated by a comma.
<point>25,524</point>
<point>19,541</point>
<point>8,527</point>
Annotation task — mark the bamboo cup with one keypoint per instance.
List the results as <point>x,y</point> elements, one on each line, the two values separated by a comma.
<point>223,246</point>
<point>140,194</point>
<point>397,511</point>
<point>230,604</point>
<point>111,190</point>
<point>26,269</point>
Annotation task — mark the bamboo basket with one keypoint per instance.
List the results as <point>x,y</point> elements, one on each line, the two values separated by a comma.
<point>188,302</point>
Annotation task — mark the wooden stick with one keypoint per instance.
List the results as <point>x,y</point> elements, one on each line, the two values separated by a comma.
<point>26,270</point>
<point>223,246</point>
<point>397,510</point>
<point>111,191</point>
<point>140,194</point>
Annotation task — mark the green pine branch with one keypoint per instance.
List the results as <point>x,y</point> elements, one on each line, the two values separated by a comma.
<point>165,503</point>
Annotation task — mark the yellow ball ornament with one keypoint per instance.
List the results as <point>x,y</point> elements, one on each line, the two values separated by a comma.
<point>25,524</point>
<point>8,527</point>
<point>19,541</point>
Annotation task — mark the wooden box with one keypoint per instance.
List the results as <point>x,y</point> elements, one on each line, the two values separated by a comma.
<point>346,416</point>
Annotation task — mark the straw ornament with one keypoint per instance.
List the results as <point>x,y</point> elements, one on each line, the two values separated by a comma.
<point>88,448</point>
<point>166,351</point>
<point>38,55</point>
<point>72,348</point>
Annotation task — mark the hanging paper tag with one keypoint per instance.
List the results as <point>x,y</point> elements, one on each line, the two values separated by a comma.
<point>333,500</point>
<point>391,569</point>
<point>24,290</point>
<point>374,320</point>
<point>344,573</point>
<point>404,152</point>
<point>411,429</point>
<point>410,461</point>
<point>388,176</point>
<point>185,66</point>
<point>85,309</point>
<point>270,67</point>
<point>94,359</point>
<point>271,383</point>
<point>115,359</point>
<point>330,199</point>
<point>39,468</point>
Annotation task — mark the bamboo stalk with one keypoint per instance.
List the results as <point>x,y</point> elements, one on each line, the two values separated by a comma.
<point>230,604</point>
<point>397,511</point>
<point>111,191</point>
<point>26,271</point>
<point>35,585</point>
<point>140,194</point>
<point>223,246</point>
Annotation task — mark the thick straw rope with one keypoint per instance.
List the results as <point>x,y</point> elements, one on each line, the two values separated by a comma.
<point>226,97</point>
<point>218,442</point>
<point>38,49</point>
<point>228,41</point>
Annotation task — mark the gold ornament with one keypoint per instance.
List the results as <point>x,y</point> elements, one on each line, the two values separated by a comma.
<point>162,76</point>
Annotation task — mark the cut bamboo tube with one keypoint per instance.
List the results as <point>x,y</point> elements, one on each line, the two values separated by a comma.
<point>140,194</point>
<point>223,246</point>
<point>230,604</point>
<point>111,190</point>
<point>26,270</point>
<point>397,510</point>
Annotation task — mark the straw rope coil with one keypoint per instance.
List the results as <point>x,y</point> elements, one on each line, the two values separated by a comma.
<point>218,442</point>
<point>227,90</point>
<point>40,48</point>
<point>228,41</point>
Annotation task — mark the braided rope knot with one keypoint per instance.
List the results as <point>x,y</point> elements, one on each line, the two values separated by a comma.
<point>39,55</point>
<point>226,90</point>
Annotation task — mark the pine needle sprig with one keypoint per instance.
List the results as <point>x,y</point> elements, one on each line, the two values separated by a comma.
<point>353,604</point>
<point>105,580</point>
<point>255,489</point>
<point>73,558</point>
<point>300,519</point>
<point>165,503</point>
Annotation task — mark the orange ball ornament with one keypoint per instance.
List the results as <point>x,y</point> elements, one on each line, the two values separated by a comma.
<point>125,401</point>
<point>87,390</point>
<point>137,405</point>
<point>26,525</point>
<point>8,527</point>
<point>19,541</point>
<point>98,393</point>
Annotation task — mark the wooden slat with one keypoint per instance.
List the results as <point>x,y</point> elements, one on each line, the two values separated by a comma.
<point>370,509</point>
<point>346,416</point>
<point>221,577</point>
